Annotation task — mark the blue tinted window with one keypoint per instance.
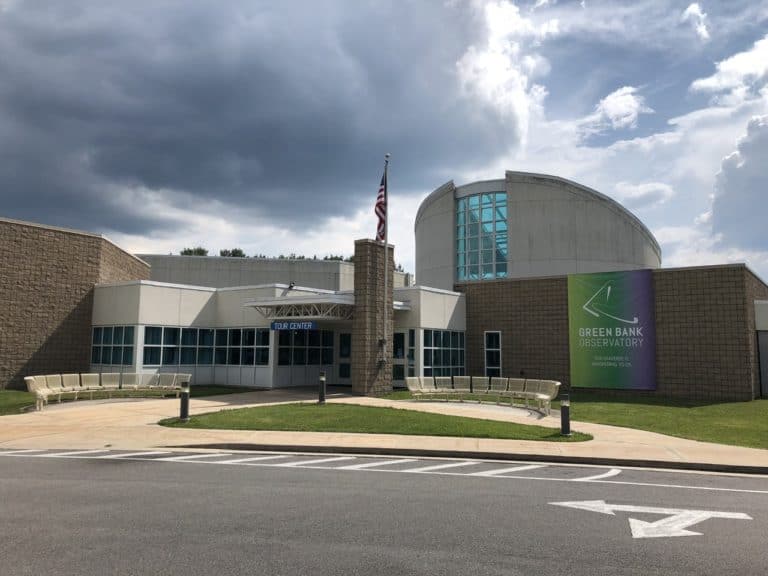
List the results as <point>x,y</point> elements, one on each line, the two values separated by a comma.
<point>153,336</point>
<point>171,336</point>
<point>481,236</point>
<point>206,337</point>
<point>189,337</point>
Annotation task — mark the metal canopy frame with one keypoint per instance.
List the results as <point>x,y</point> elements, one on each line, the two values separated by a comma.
<point>307,310</point>
<point>335,306</point>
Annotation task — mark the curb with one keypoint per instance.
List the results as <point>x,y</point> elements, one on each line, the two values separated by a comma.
<point>378,451</point>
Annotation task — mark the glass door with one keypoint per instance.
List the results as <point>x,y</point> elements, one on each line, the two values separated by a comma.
<point>399,360</point>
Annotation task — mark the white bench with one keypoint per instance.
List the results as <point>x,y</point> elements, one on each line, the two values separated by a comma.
<point>542,392</point>
<point>58,385</point>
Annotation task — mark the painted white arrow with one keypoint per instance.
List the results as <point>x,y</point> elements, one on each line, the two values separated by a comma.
<point>674,525</point>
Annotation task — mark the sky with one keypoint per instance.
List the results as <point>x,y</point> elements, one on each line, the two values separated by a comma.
<point>263,125</point>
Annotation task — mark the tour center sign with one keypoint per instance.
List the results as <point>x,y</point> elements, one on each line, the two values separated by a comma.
<point>612,331</point>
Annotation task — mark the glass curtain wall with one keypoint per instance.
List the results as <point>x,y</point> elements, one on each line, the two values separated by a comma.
<point>481,236</point>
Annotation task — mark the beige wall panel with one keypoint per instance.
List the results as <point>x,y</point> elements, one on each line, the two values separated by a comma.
<point>116,305</point>
<point>431,309</point>
<point>174,306</point>
<point>761,314</point>
<point>434,240</point>
<point>231,312</point>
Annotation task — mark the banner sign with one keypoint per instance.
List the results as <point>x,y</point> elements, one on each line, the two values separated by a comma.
<point>307,325</point>
<point>612,332</point>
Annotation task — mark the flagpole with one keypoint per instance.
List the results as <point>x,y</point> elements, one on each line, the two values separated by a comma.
<point>386,255</point>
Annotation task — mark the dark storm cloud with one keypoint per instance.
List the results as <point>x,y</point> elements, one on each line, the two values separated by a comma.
<point>283,108</point>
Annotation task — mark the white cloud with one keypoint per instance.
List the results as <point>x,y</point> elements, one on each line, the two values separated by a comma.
<point>619,110</point>
<point>543,3</point>
<point>698,19</point>
<point>501,74</point>
<point>740,190</point>
<point>741,72</point>
<point>215,225</point>
<point>645,195</point>
<point>695,246</point>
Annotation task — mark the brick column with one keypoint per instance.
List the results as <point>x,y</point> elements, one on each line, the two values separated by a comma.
<point>371,372</point>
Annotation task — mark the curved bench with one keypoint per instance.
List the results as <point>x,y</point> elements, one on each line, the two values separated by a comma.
<point>542,392</point>
<point>58,385</point>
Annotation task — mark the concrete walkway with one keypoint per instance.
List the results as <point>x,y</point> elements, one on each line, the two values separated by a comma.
<point>131,424</point>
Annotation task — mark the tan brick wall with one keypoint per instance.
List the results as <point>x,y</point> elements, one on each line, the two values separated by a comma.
<point>705,330</point>
<point>370,376</point>
<point>46,297</point>
<point>116,265</point>
<point>532,316</point>
<point>702,333</point>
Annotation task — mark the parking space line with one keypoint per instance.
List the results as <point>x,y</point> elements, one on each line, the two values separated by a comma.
<point>77,453</point>
<point>313,462</point>
<point>254,459</point>
<point>130,455</point>
<point>507,470</point>
<point>192,457</point>
<point>375,464</point>
<point>441,467</point>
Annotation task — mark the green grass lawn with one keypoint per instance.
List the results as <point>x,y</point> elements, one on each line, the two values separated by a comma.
<point>368,420</point>
<point>17,401</point>
<point>736,423</point>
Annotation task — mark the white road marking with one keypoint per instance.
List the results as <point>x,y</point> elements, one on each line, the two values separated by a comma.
<point>79,453</point>
<point>506,470</point>
<point>675,524</point>
<point>376,464</point>
<point>440,467</point>
<point>611,472</point>
<point>192,457</point>
<point>376,468</point>
<point>129,455</point>
<point>313,462</point>
<point>256,459</point>
<point>684,487</point>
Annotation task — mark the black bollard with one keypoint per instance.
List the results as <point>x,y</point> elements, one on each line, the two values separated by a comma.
<point>321,389</point>
<point>565,415</point>
<point>184,407</point>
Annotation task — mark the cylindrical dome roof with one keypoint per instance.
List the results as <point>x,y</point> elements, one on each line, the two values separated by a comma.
<point>526,225</point>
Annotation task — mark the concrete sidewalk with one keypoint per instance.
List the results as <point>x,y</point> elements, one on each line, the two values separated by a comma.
<point>131,424</point>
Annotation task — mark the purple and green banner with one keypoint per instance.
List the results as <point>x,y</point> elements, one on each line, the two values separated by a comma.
<point>612,331</point>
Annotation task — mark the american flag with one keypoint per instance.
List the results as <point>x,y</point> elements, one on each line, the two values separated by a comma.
<point>381,209</point>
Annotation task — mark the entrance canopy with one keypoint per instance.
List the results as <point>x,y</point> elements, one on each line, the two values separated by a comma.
<point>336,306</point>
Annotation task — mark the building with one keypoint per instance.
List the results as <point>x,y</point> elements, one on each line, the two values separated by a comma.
<point>528,275</point>
<point>47,280</point>
<point>516,248</point>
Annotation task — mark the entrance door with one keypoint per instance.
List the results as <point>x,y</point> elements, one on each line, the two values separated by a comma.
<point>762,342</point>
<point>399,361</point>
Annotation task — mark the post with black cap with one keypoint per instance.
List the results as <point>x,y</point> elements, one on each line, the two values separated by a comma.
<point>565,415</point>
<point>184,407</point>
<point>321,388</point>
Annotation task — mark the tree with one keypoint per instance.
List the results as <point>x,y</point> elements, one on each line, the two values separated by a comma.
<point>234,253</point>
<point>196,251</point>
